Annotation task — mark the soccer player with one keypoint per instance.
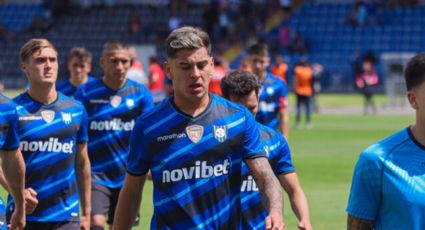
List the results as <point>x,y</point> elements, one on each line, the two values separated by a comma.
<point>243,88</point>
<point>388,187</point>
<point>79,67</point>
<point>113,103</point>
<point>272,110</point>
<point>194,143</point>
<point>53,134</point>
<point>13,168</point>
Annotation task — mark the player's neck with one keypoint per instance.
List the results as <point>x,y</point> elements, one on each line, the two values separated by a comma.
<point>43,94</point>
<point>418,131</point>
<point>262,76</point>
<point>192,108</point>
<point>114,84</point>
<point>76,82</point>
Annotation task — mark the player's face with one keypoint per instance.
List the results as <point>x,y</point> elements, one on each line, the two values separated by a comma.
<point>79,69</point>
<point>42,66</point>
<point>259,64</point>
<point>250,102</point>
<point>190,72</point>
<point>115,64</point>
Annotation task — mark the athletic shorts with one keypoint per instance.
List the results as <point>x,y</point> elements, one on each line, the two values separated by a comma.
<point>65,225</point>
<point>104,202</point>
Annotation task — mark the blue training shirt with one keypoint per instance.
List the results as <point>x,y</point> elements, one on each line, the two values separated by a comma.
<point>112,115</point>
<point>272,98</point>
<point>49,136</point>
<point>388,185</point>
<point>67,88</point>
<point>9,139</point>
<point>196,163</point>
<point>279,155</point>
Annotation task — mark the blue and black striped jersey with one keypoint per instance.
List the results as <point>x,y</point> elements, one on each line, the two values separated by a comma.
<point>279,155</point>
<point>112,115</point>
<point>9,139</point>
<point>196,163</point>
<point>272,98</point>
<point>67,88</point>
<point>49,136</point>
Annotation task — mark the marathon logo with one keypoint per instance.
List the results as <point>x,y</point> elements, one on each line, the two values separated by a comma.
<point>52,145</point>
<point>115,124</point>
<point>249,185</point>
<point>171,137</point>
<point>200,170</point>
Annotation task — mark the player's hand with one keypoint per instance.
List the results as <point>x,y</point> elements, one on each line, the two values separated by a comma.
<point>304,225</point>
<point>85,222</point>
<point>31,201</point>
<point>17,221</point>
<point>274,222</point>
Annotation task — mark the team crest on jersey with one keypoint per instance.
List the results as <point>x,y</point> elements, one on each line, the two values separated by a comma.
<point>195,132</point>
<point>115,100</point>
<point>129,102</point>
<point>66,118</point>
<point>270,90</point>
<point>48,115</point>
<point>220,133</point>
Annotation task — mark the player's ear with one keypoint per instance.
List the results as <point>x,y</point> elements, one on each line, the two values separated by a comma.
<point>102,62</point>
<point>412,99</point>
<point>23,67</point>
<point>167,70</point>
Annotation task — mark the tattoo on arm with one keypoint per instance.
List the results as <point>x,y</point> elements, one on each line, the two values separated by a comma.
<point>354,223</point>
<point>267,184</point>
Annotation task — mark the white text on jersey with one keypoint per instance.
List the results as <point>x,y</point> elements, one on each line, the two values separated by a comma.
<point>52,145</point>
<point>199,170</point>
<point>115,124</point>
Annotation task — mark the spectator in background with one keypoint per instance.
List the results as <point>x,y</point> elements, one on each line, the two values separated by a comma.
<point>136,72</point>
<point>318,71</point>
<point>279,68</point>
<point>303,87</point>
<point>79,67</point>
<point>156,80</point>
<point>219,72</point>
<point>134,27</point>
<point>366,83</point>
<point>299,45</point>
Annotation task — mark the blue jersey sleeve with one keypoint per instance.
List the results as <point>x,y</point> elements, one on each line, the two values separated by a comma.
<point>284,161</point>
<point>11,141</point>
<point>82,135</point>
<point>252,141</point>
<point>147,101</point>
<point>365,191</point>
<point>137,160</point>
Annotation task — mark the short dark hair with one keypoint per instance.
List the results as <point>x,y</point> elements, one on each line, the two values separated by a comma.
<point>114,45</point>
<point>239,84</point>
<point>81,54</point>
<point>186,37</point>
<point>415,71</point>
<point>259,49</point>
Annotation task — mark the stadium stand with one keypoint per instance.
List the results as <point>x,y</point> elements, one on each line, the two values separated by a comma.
<point>323,23</point>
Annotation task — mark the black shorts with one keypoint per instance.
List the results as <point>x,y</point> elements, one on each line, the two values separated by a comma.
<point>104,202</point>
<point>65,225</point>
